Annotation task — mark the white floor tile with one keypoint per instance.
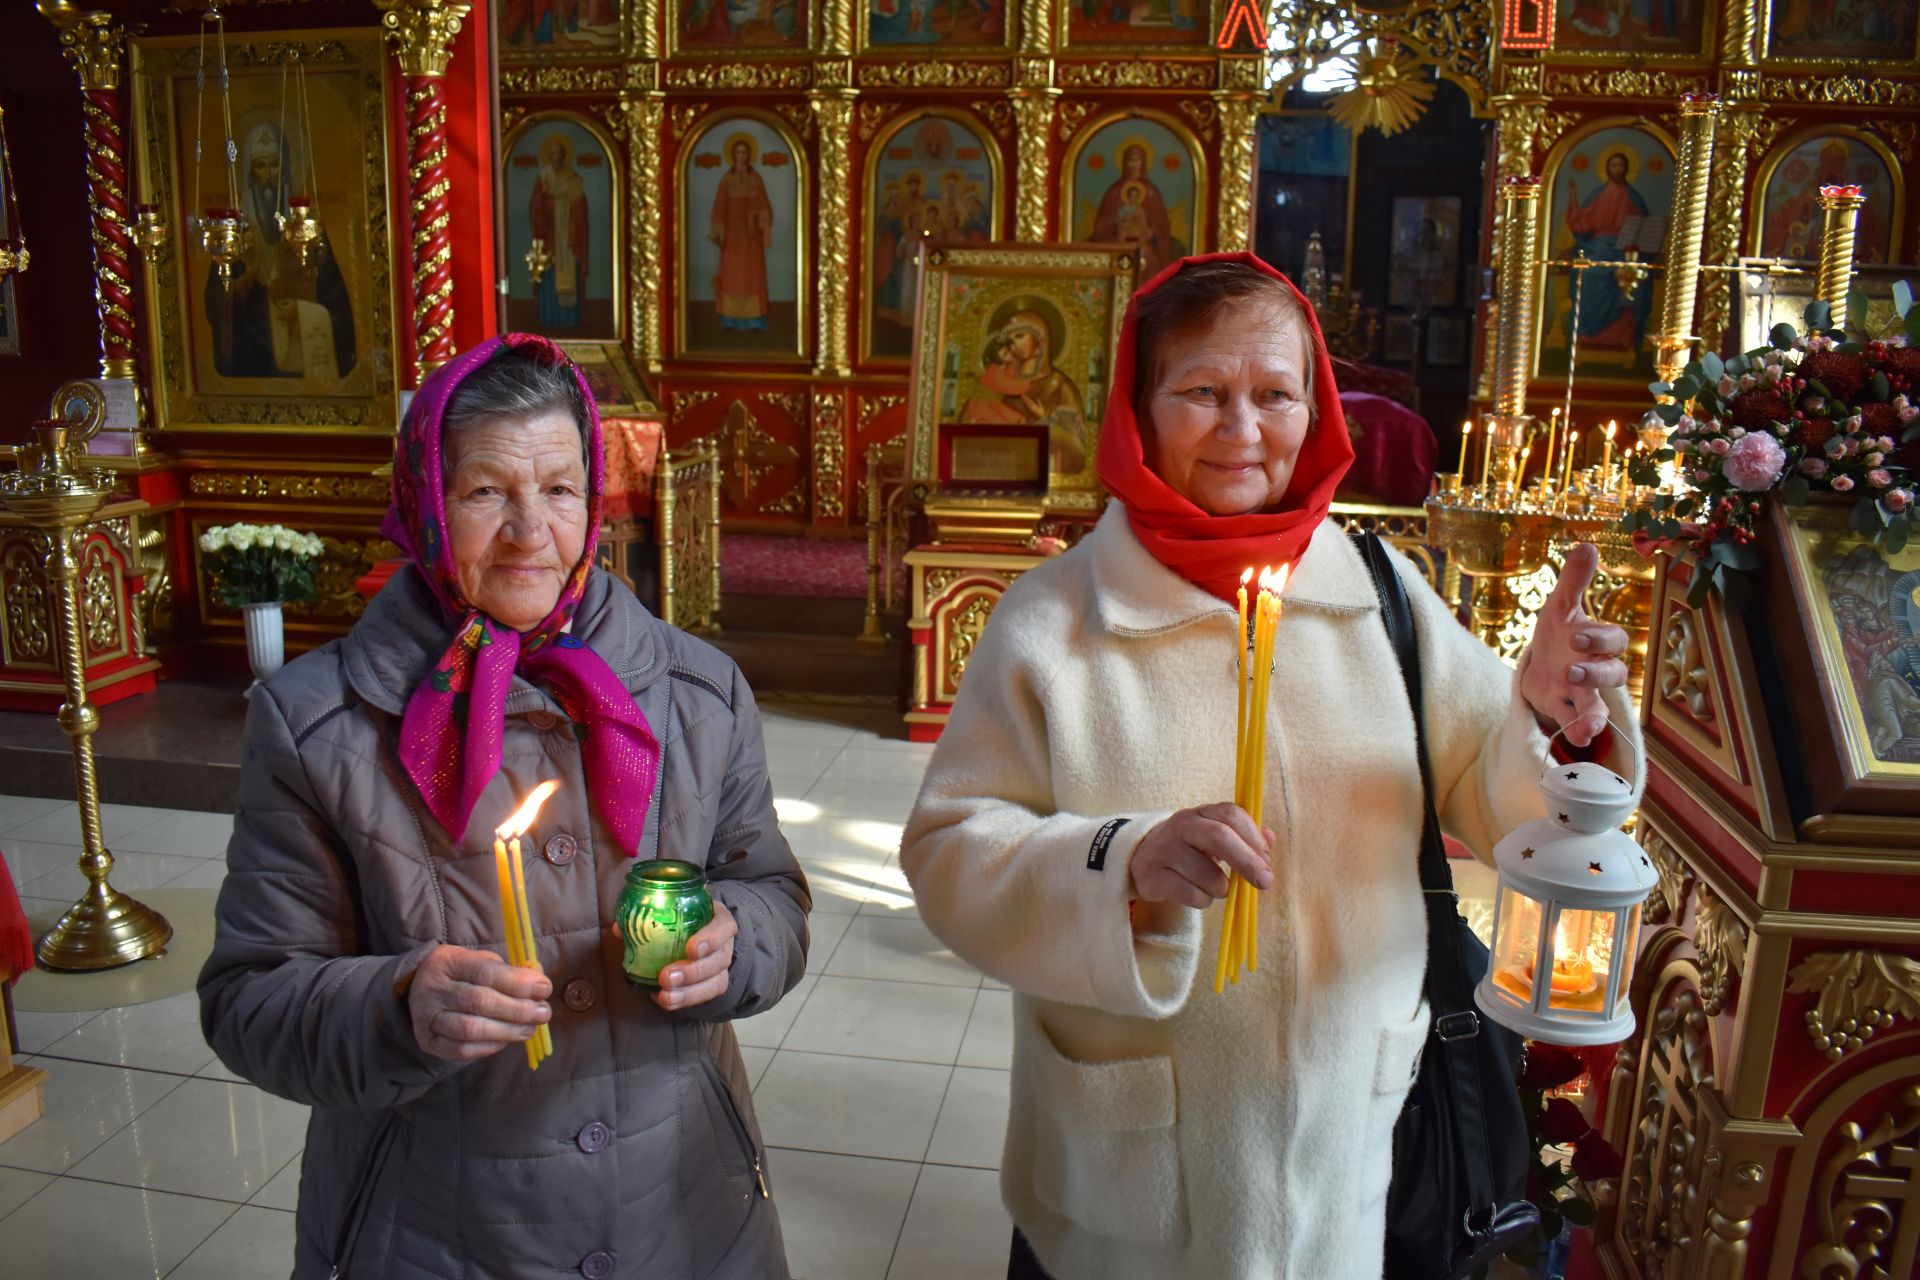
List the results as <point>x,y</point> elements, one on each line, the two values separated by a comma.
<point>973,1120</point>
<point>906,1021</point>
<point>767,1030</point>
<point>129,1234</point>
<point>85,1105</point>
<point>789,730</point>
<point>824,932</point>
<point>898,951</point>
<point>205,1138</point>
<point>184,832</point>
<point>132,872</point>
<point>794,767</point>
<point>880,801</point>
<point>850,1106</point>
<point>881,763</point>
<point>956,1228</point>
<point>756,1059</point>
<point>217,1070</point>
<point>18,811</point>
<point>39,1031</point>
<point>989,1038</point>
<point>61,825</point>
<point>841,1215</point>
<point>28,860</point>
<point>161,1035</point>
<point>17,1186</point>
<point>283,1189</point>
<point>890,895</point>
<point>252,1243</point>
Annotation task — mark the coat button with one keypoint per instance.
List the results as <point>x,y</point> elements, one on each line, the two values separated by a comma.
<point>542,720</point>
<point>561,849</point>
<point>597,1266</point>
<point>578,995</point>
<point>595,1137</point>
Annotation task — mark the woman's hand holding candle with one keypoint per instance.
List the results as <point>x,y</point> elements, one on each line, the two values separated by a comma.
<point>466,1004</point>
<point>704,974</point>
<point>1186,858</point>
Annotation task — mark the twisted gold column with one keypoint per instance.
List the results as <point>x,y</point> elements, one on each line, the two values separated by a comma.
<point>1674,343</point>
<point>1033,115</point>
<point>833,114</point>
<point>1239,113</point>
<point>646,114</point>
<point>1519,298</point>
<point>1840,211</point>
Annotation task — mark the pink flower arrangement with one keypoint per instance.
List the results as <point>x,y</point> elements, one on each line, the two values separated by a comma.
<point>1753,462</point>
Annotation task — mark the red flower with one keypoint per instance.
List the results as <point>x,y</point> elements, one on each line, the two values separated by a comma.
<point>1594,1158</point>
<point>1811,434</point>
<point>1903,367</point>
<point>1842,376</point>
<point>1880,420</point>
<point>1758,410</point>
<point>1561,1122</point>
<point>1549,1066</point>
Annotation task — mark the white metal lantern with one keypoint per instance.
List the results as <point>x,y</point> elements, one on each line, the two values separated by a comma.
<point>1571,888</point>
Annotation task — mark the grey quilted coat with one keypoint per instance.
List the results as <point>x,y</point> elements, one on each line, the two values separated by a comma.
<point>633,1151</point>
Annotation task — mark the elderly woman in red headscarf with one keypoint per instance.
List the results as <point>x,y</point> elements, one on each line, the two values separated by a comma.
<point>1074,830</point>
<point>357,961</point>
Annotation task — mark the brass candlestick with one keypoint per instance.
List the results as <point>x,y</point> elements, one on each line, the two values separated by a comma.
<point>1840,210</point>
<point>57,491</point>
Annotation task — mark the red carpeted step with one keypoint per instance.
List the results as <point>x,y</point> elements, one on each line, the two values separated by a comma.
<point>759,565</point>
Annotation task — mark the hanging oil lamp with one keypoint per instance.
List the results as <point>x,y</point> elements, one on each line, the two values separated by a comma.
<point>223,228</point>
<point>1567,913</point>
<point>300,225</point>
<point>300,228</point>
<point>537,259</point>
<point>13,240</point>
<point>150,231</point>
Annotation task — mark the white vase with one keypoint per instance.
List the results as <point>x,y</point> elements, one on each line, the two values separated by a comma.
<point>266,638</point>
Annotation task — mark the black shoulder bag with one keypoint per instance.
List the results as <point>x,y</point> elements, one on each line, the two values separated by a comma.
<point>1460,1147</point>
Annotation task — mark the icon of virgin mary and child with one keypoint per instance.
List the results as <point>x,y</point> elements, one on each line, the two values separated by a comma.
<point>1021,382</point>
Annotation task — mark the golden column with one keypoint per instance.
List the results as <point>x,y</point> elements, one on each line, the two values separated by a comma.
<point>1674,343</point>
<point>1033,101</point>
<point>56,490</point>
<point>1840,213</point>
<point>1239,111</point>
<point>95,44</point>
<point>833,118</point>
<point>422,32</point>
<point>1519,290</point>
<point>646,111</point>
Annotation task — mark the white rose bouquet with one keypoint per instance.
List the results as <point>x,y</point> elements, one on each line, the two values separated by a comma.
<point>261,563</point>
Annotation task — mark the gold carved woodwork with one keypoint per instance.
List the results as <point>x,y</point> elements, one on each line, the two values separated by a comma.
<point>1624,82</point>
<point>1848,90</point>
<point>833,271</point>
<point>687,516</point>
<point>681,116</point>
<point>963,634</point>
<point>931,74</point>
<point>99,598</point>
<point>1900,136</point>
<point>1665,1170</point>
<point>938,580</point>
<point>1733,153</point>
<point>680,402</point>
<point>295,488</point>
<point>829,455</point>
<point>1685,681</point>
<point>95,44</point>
<point>156,612</point>
<point>422,32</point>
<point>1033,192</point>
<point>871,116</point>
<point>1518,121</point>
<point>646,225</point>
<point>1135,74</point>
<point>739,75</point>
<point>799,115</point>
<point>837,20</point>
<point>1860,993</point>
<point>1033,73</point>
<point>1036,25</point>
<point>1072,115</point>
<point>1867,1206</point>
<point>1239,114</point>
<point>550,78</point>
<point>997,114</point>
<point>1456,37</point>
<point>28,636</point>
<point>833,73</point>
<point>747,455</point>
<point>336,596</point>
<point>1721,941</point>
<point>1204,114</point>
<point>791,403</point>
<point>1669,898</point>
<point>872,406</point>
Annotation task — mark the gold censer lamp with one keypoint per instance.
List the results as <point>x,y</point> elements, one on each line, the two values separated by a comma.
<point>223,236</point>
<point>59,493</point>
<point>300,228</point>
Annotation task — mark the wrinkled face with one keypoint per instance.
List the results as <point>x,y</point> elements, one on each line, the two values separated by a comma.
<point>516,492</point>
<point>1228,409</point>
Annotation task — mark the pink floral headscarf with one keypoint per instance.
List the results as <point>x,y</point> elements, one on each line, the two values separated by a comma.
<point>451,731</point>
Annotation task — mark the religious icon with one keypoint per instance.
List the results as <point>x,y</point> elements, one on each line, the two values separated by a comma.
<point>1789,219</point>
<point>1020,382</point>
<point>931,180</point>
<point>741,24</point>
<point>740,245</point>
<point>946,22</point>
<point>1133,180</point>
<point>1871,29</point>
<point>1306,164</point>
<point>1630,26</point>
<point>1425,267</point>
<point>546,27</point>
<point>1612,194</point>
<point>1137,22</point>
<point>562,185</point>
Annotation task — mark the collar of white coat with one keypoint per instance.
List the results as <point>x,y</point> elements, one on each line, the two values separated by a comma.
<point>1134,594</point>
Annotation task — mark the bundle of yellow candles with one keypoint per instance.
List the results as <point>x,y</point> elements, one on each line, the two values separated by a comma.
<point>522,952</point>
<point>1239,934</point>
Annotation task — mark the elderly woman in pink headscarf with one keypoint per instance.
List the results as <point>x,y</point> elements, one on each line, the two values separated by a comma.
<point>357,964</point>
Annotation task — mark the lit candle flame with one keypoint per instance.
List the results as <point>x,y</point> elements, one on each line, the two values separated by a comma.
<point>1246,575</point>
<point>1275,580</point>
<point>516,826</point>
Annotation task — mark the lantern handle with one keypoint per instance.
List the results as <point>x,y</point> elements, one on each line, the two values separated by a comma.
<point>1610,724</point>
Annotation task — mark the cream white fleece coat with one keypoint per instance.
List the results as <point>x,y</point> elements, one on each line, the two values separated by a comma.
<point>1159,1131</point>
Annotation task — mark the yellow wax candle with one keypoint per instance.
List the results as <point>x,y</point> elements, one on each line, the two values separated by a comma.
<point>510,923</point>
<point>1486,456</point>
<point>1240,669</point>
<point>1566,466</point>
<point>1553,447</point>
<point>1606,455</point>
<point>1466,429</point>
<point>529,947</point>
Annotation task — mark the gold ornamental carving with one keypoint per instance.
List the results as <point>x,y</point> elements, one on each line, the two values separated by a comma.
<point>934,75</point>
<point>1735,145</point>
<point>748,454</point>
<point>791,403</point>
<point>1517,122</point>
<point>679,403</point>
<point>740,75</point>
<point>1860,993</point>
<point>99,600</point>
<point>1685,680</point>
<point>1847,90</point>
<point>833,272</point>
<point>1669,900</point>
<point>872,407</point>
<point>1869,1198</point>
<point>156,610</point>
<point>1666,1160</point>
<point>1721,941</point>
<point>95,44</point>
<point>29,631</point>
<point>1033,110</point>
<point>799,115</point>
<point>1900,136</point>
<point>963,635</point>
<point>1071,115</point>
<point>791,503</point>
<point>1036,26</point>
<point>1456,37</point>
<point>646,225</point>
<point>997,114</point>
<point>297,488</point>
<point>681,115</point>
<point>1523,78</point>
<point>422,33</point>
<point>1239,114</point>
<point>1623,82</point>
<point>829,455</point>
<point>871,116</point>
<point>1204,114</point>
<point>545,78</point>
<point>1141,74</point>
<point>938,580</point>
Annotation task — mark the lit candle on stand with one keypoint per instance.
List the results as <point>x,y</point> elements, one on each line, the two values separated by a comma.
<point>1566,464</point>
<point>1486,458</point>
<point>1466,429</point>
<point>1606,456</point>
<point>1553,448</point>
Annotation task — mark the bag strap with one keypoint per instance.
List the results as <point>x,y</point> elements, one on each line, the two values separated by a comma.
<point>1449,985</point>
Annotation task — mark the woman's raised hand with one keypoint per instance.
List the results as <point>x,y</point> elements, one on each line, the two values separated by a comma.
<point>1181,859</point>
<point>468,1004</point>
<point>1573,657</point>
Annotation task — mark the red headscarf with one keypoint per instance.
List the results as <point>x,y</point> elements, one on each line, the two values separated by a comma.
<point>1207,550</point>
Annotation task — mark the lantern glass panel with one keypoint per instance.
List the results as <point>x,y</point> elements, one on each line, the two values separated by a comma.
<point>1629,948</point>
<point>1582,954</point>
<point>1516,940</point>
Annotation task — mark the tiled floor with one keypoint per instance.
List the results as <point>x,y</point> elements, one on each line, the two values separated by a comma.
<point>881,1081</point>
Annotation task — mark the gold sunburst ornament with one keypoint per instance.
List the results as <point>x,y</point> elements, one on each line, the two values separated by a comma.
<point>1383,92</point>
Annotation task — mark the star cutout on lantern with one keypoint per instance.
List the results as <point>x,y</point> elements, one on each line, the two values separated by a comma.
<point>1645,863</point>
<point>1563,817</point>
<point>1526,853</point>
<point>1594,867</point>
<point>1573,777</point>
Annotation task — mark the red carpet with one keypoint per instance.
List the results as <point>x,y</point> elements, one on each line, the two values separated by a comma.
<point>757,565</point>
